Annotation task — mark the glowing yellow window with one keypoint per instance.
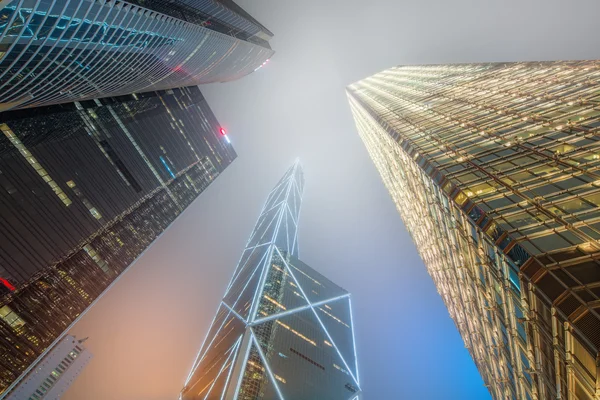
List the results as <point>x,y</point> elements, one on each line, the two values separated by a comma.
<point>563,148</point>
<point>481,189</point>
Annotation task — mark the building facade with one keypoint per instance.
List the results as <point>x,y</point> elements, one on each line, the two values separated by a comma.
<point>494,170</point>
<point>282,331</point>
<point>55,373</point>
<point>85,188</point>
<point>60,51</point>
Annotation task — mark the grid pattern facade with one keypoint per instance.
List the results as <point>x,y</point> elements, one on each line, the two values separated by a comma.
<point>282,331</point>
<point>53,375</point>
<point>69,50</point>
<point>494,170</point>
<point>85,188</point>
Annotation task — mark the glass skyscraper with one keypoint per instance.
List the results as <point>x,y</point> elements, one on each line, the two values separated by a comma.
<point>494,169</point>
<point>57,51</point>
<point>85,188</point>
<point>282,331</point>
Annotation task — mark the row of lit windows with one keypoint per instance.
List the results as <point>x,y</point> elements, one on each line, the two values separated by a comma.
<point>35,164</point>
<point>295,332</point>
<point>273,301</point>
<point>334,317</point>
<point>55,374</point>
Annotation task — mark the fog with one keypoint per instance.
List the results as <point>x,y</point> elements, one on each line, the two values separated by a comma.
<point>146,331</point>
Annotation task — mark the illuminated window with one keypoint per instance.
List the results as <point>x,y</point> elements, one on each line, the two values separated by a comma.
<point>308,276</point>
<point>93,210</point>
<point>11,317</point>
<point>340,368</point>
<point>35,164</point>
<point>97,259</point>
<point>275,302</point>
<point>563,148</point>
<point>461,198</point>
<point>335,318</point>
<point>480,190</point>
<point>295,332</point>
<point>584,357</point>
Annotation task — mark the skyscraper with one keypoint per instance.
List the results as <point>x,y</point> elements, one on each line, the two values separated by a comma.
<point>282,331</point>
<point>85,188</point>
<point>494,170</point>
<point>55,373</point>
<point>72,50</point>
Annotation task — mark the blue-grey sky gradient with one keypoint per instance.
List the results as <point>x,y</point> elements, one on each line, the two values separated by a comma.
<point>146,331</point>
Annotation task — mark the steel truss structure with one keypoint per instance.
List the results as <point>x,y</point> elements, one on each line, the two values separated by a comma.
<point>494,169</point>
<point>282,331</point>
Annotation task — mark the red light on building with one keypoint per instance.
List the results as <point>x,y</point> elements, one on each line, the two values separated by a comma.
<point>7,284</point>
<point>222,130</point>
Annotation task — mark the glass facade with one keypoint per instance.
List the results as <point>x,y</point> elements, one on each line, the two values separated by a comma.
<point>282,331</point>
<point>85,188</point>
<point>494,170</point>
<point>54,52</point>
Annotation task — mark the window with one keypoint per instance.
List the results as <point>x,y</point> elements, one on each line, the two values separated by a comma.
<point>11,317</point>
<point>35,164</point>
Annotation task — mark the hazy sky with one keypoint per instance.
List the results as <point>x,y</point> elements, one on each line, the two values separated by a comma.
<point>146,331</point>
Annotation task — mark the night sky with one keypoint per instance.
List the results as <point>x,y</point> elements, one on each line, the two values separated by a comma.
<point>146,331</point>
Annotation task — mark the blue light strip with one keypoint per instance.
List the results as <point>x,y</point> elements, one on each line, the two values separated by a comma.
<point>233,312</point>
<point>233,353</point>
<point>167,167</point>
<point>51,25</point>
<point>200,355</point>
<point>353,340</point>
<point>321,323</point>
<point>256,268</point>
<point>297,309</point>
<point>245,361</point>
<point>266,364</point>
<point>241,267</point>
<point>287,185</point>
<point>232,366</point>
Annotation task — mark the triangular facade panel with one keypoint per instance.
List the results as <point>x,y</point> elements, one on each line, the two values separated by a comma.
<point>215,327</point>
<point>252,267</point>
<point>299,353</point>
<point>216,390</point>
<point>241,299</point>
<point>283,330</point>
<point>280,292</point>
<point>268,225</point>
<point>250,259</point>
<point>219,348</point>
<point>336,318</point>
<point>316,287</point>
<point>282,240</point>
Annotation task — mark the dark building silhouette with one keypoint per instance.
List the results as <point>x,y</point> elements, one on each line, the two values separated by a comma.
<point>85,188</point>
